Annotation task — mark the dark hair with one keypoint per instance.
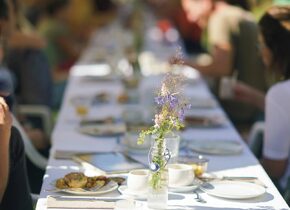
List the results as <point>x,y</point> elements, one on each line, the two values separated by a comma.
<point>240,3</point>
<point>103,5</point>
<point>275,29</point>
<point>53,6</point>
<point>3,10</point>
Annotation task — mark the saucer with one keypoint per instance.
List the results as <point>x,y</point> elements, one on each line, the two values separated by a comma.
<point>181,189</point>
<point>142,195</point>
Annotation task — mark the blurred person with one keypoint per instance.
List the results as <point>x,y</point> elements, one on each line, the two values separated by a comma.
<point>275,44</point>
<point>189,31</point>
<point>62,48</point>
<point>232,37</point>
<point>275,49</point>
<point>14,189</point>
<point>26,59</point>
<point>28,64</point>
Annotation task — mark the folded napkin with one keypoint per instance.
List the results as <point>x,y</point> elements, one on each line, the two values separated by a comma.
<point>79,203</point>
<point>62,154</point>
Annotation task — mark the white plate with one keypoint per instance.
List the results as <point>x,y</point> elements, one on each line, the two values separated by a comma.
<point>233,189</point>
<point>216,147</point>
<point>103,129</point>
<point>111,186</point>
<point>130,145</point>
<point>187,188</point>
<point>203,103</point>
<point>137,195</point>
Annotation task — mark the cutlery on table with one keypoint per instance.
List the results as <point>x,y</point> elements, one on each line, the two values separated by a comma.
<point>229,178</point>
<point>198,197</point>
<point>234,178</point>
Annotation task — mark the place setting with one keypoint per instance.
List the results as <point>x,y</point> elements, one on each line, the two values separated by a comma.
<point>81,191</point>
<point>200,121</point>
<point>103,130</point>
<point>107,126</point>
<point>225,187</point>
<point>220,147</point>
<point>77,183</point>
<point>180,180</point>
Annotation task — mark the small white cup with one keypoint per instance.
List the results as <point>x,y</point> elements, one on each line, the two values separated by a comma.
<point>138,180</point>
<point>226,88</point>
<point>180,175</point>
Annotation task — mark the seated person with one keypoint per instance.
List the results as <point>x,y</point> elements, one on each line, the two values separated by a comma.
<point>62,49</point>
<point>38,140</point>
<point>232,37</point>
<point>26,59</point>
<point>14,188</point>
<point>275,49</point>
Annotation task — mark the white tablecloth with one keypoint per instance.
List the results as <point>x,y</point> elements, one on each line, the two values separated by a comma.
<point>66,137</point>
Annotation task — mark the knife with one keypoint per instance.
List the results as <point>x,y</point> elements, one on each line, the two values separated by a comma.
<point>78,198</point>
<point>239,178</point>
<point>242,178</point>
<point>251,179</point>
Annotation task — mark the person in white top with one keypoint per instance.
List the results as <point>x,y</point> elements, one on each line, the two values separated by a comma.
<point>276,150</point>
<point>275,50</point>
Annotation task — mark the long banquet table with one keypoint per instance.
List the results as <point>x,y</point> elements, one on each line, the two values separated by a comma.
<point>66,137</point>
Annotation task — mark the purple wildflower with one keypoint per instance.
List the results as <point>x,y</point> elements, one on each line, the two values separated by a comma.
<point>181,114</point>
<point>160,100</point>
<point>173,101</point>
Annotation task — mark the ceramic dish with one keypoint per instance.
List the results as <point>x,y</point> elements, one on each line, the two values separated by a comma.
<point>216,147</point>
<point>233,189</point>
<point>103,129</point>
<point>111,186</point>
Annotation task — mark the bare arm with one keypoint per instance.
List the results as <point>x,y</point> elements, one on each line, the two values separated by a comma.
<point>250,95</point>
<point>21,40</point>
<point>18,39</point>
<point>5,131</point>
<point>275,168</point>
<point>221,64</point>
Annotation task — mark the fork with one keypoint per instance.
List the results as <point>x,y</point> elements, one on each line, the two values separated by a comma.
<point>198,197</point>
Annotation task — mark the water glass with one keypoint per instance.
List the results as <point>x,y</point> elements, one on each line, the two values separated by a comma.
<point>172,142</point>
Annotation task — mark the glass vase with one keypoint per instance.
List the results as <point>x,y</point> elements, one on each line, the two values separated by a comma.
<point>158,182</point>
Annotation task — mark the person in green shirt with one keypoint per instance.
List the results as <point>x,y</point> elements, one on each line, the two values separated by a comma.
<point>232,38</point>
